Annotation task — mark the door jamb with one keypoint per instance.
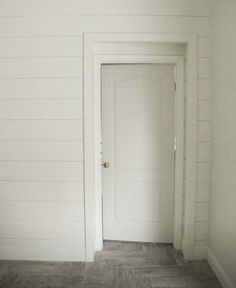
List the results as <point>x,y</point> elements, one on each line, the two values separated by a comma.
<point>92,94</point>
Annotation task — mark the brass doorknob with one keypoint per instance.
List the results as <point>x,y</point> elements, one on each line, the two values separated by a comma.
<point>106,164</point>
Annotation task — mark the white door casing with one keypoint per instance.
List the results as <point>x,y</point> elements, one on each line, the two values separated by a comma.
<point>138,131</point>
<point>178,61</point>
<point>184,216</point>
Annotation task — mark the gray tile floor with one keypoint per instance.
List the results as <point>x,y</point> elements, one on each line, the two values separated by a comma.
<point>119,265</point>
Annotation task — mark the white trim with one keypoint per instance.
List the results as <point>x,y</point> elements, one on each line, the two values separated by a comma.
<point>90,94</point>
<point>190,150</point>
<point>219,271</point>
<point>179,156</point>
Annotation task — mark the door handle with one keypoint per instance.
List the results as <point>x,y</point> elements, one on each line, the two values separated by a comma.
<point>105,164</point>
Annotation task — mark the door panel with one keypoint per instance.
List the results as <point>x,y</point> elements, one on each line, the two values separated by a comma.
<point>127,209</point>
<point>138,142</point>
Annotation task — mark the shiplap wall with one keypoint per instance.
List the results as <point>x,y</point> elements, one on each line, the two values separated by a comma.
<point>204,147</point>
<point>41,115</point>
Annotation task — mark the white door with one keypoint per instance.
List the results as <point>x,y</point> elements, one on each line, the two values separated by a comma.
<point>138,117</point>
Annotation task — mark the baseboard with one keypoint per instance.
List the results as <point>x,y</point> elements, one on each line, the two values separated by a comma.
<point>219,271</point>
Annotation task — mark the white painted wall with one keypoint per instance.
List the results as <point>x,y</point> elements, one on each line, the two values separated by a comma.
<point>41,115</point>
<point>222,244</point>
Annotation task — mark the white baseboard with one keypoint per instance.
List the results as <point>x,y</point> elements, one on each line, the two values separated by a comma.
<point>219,271</point>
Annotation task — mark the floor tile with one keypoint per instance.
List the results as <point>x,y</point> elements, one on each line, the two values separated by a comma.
<point>119,265</point>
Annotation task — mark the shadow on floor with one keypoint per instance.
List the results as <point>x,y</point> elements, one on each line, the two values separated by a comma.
<point>119,265</point>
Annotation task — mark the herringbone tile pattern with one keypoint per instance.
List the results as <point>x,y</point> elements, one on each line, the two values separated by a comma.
<point>119,265</point>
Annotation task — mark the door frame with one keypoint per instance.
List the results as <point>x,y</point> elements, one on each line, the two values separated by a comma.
<point>178,63</point>
<point>92,133</point>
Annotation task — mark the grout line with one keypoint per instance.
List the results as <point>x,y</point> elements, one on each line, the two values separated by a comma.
<point>106,15</point>
<point>40,220</point>
<point>36,99</point>
<point>55,77</point>
<point>39,57</point>
<point>40,119</point>
<point>28,141</point>
<point>46,36</point>
<point>42,201</point>
<point>44,141</point>
<point>42,161</point>
<point>41,239</point>
<point>40,181</point>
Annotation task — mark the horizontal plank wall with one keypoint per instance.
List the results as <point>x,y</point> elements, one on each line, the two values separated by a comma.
<point>41,115</point>
<point>103,7</point>
<point>204,148</point>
